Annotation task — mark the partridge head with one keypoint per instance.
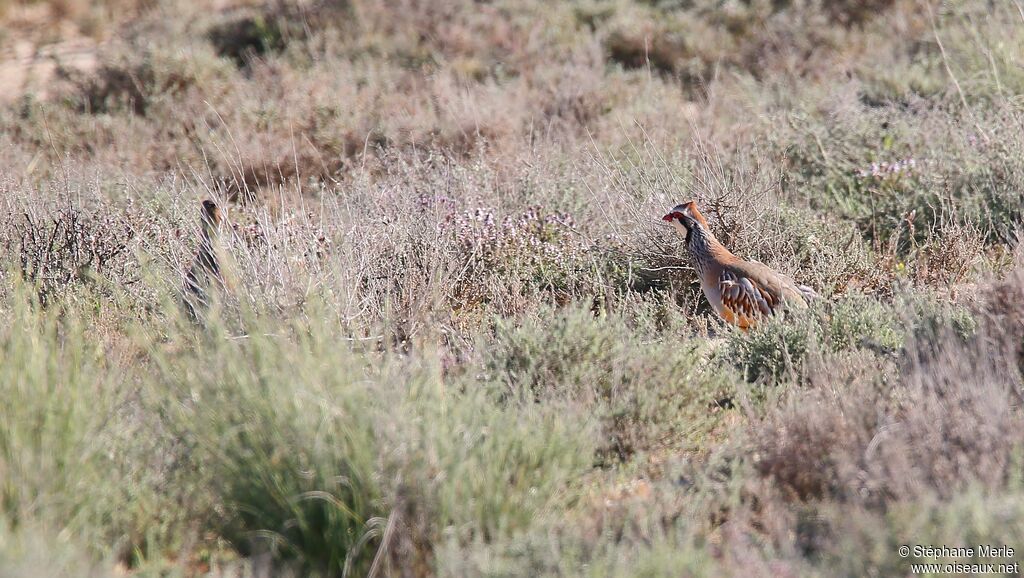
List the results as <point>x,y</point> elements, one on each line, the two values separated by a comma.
<point>210,216</point>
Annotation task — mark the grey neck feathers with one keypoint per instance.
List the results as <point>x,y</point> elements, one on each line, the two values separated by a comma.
<point>207,258</point>
<point>209,229</point>
<point>700,247</point>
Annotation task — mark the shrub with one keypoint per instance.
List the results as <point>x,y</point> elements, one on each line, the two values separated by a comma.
<point>851,12</point>
<point>248,36</point>
<point>58,402</point>
<point>775,349</point>
<point>884,169</point>
<point>80,456</point>
<point>469,470</point>
<point>70,248</point>
<point>316,455</point>
<point>865,440</point>
<point>34,550</point>
<point>648,394</point>
<point>860,321</point>
<point>539,248</point>
<point>139,81</point>
<point>286,444</point>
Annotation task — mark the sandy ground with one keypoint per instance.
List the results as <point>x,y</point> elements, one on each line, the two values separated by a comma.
<point>35,49</point>
<point>28,69</point>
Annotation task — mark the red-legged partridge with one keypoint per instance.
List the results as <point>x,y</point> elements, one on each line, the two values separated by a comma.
<point>741,292</point>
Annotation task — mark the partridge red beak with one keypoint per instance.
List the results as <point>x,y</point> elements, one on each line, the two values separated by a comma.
<point>670,216</point>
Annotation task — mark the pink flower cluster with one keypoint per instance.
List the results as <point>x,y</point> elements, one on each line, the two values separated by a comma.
<point>425,201</point>
<point>298,232</point>
<point>479,230</point>
<point>533,242</point>
<point>887,169</point>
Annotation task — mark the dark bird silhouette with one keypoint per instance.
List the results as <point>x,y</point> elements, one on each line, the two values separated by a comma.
<point>205,268</point>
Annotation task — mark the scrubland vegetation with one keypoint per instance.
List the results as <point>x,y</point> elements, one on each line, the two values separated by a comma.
<point>453,337</point>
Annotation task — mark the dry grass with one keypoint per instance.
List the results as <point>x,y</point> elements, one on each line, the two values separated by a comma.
<point>453,337</point>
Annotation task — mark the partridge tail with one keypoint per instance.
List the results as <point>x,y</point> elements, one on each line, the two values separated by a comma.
<point>808,293</point>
